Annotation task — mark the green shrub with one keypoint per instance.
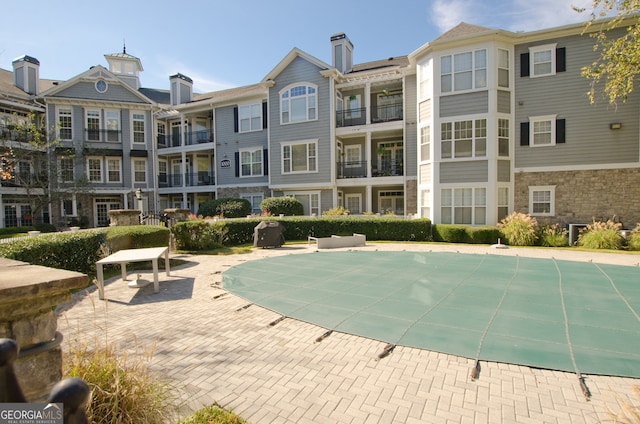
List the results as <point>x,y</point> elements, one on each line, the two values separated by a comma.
<point>16,230</point>
<point>339,211</point>
<point>519,229</point>
<point>43,227</point>
<point>553,235</point>
<point>286,205</point>
<point>77,251</point>
<point>634,239</point>
<point>213,414</point>
<point>226,207</point>
<point>123,389</point>
<point>136,237</point>
<point>197,235</point>
<point>602,235</point>
<point>483,235</point>
<point>450,233</point>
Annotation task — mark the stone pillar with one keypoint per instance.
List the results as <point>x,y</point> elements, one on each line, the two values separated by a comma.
<point>177,215</point>
<point>122,217</point>
<point>28,297</point>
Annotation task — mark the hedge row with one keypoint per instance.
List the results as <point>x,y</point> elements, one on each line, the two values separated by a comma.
<point>192,235</point>
<point>79,251</point>
<point>452,233</point>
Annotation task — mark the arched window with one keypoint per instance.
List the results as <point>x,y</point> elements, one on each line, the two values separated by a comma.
<point>298,103</point>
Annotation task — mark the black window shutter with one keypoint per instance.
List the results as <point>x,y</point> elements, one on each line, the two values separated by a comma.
<point>524,65</point>
<point>561,59</point>
<point>524,133</point>
<point>264,115</point>
<point>265,161</point>
<point>560,131</point>
<point>235,119</point>
<point>237,164</point>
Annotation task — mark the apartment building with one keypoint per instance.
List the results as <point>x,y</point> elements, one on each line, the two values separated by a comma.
<point>466,129</point>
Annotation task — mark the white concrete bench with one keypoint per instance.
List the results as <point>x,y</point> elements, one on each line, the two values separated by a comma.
<point>356,240</point>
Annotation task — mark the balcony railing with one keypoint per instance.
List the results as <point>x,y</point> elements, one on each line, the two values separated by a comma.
<point>102,135</point>
<point>192,179</point>
<point>351,117</point>
<point>190,138</point>
<point>11,133</point>
<point>352,169</point>
<point>358,169</point>
<point>387,113</point>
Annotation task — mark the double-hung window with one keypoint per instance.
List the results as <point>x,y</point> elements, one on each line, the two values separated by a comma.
<point>93,125</point>
<point>503,68</point>
<point>251,163</point>
<point>298,104</point>
<point>464,139</point>
<point>463,71</point>
<point>425,143</point>
<point>543,60</point>
<point>65,167</point>
<point>140,170</point>
<point>299,157</point>
<point>94,169</point>
<point>113,125</point>
<point>138,127</point>
<point>464,206</point>
<point>250,117</point>
<point>503,137</point>
<point>65,124</point>
<point>114,170</point>
<point>542,200</point>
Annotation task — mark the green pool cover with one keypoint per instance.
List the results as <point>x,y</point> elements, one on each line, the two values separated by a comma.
<point>545,313</point>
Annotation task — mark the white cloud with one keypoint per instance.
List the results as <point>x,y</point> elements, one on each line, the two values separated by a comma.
<point>446,14</point>
<point>203,81</point>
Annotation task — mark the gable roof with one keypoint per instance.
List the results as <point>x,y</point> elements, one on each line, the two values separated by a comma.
<point>400,61</point>
<point>293,54</point>
<point>463,29</point>
<point>8,89</point>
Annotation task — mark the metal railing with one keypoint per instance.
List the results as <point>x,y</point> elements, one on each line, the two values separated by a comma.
<point>190,139</point>
<point>191,179</point>
<point>73,393</point>
<point>387,168</point>
<point>13,133</point>
<point>102,135</point>
<point>352,169</point>
<point>387,113</point>
<point>351,117</point>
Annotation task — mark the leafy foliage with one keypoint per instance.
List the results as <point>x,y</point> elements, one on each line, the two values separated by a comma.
<point>213,414</point>
<point>197,235</point>
<point>602,235</point>
<point>226,207</point>
<point>338,211</point>
<point>71,251</point>
<point>285,205</point>
<point>137,237</point>
<point>634,239</point>
<point>619,63</point>
<point>455,233</point>
<point>553,235</point>
<point>519,229</point>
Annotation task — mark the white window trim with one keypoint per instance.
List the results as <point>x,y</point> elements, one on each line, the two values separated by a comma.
<point>295,143</point>
<point>543,118</point>
<point>348,163</point>
<point>100,124</point>
<point>70,110</point>
<point>144,122</point>
<point>106,165</point>
<point>473,205</point>
<point>74,206</point>
<point>250,197</point>
<point>473,70</point>
<point>249,105</point>
<point>309,193</point>
<point>60,173</point>
<point>358,196</point>
<point>552,199</point>
<point>474,138</point>
<point>101,179</point>
<point>252,150</point>
<point>537,49</point>
<point>105,125</point>
<point>133,170</point>
<point>287,89</point>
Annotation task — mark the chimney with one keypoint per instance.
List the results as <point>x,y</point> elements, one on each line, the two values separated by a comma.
<point>341,52</point>
<point>26,74</point>
<point>181,89</point>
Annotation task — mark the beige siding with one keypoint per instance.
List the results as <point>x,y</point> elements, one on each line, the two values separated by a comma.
<point>504,101</point>
<point>504,171</point>
<point>425,174</point>
<point>425,111</point>
<point>464,104</point>
<point>464,172</point>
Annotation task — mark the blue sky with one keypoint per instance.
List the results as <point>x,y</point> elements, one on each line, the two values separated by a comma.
<point>224,44</point>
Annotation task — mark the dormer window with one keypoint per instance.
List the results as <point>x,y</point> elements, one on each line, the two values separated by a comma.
<point>298,104</point>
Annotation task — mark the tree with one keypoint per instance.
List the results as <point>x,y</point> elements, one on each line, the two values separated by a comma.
<point>618,66</point>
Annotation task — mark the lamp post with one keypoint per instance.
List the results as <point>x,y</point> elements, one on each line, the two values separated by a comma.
<point>139,198</point>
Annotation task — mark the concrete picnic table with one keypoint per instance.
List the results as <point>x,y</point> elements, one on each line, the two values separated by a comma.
<point>122,257</point>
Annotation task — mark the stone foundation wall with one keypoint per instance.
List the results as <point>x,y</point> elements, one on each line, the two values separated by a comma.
<point>236,192</point>
<point>582,195</point>
<point>123,217</point>
<point>411,197</point>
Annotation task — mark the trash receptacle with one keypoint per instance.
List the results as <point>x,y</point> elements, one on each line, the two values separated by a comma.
<point>268,234</point>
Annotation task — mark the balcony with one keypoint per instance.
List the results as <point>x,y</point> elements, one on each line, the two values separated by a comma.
<point>192,179</point>
<point>190,139</point>
<point>387,113</point>
<point>351,117</point>
<point>111,136</point>
<point>358,169</point>
<point>22,135</point>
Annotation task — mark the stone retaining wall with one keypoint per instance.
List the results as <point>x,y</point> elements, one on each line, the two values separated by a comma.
<point>582,195</point>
